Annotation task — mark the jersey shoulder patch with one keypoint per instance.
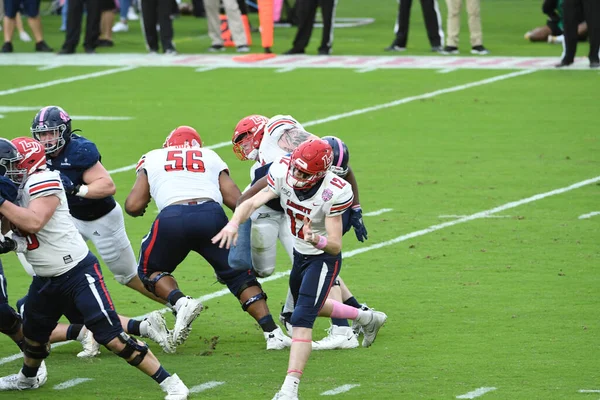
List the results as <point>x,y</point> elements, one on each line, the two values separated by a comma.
<point>81,153</point>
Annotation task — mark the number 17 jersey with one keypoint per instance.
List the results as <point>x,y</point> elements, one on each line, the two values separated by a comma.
<point>177,174</point>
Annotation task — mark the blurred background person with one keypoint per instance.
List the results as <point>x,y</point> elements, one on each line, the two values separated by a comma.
<point>433,24</point>
<point>305,12</point>
<point>234,20</point>
<point>591,13</point>
<point>153,13</point>
<point>473,11</point>
<point>552,32</point>
<point>92,26</point>
<point>126,13</point>
<point>30,8</point>
<point>107,18</point>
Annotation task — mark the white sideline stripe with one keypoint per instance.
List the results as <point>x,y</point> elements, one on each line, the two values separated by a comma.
<point>462,216</point>
<point>49,66</point>
<point>446,70</point>
<point>71,383</point>
<point>378,212</point>
<point>206,69</point>
<point>206,386</point>
<point>589,391</point>
<point>378,107</point>
<point>589,215</point>
<point>65,80</point>
<point>476,393</point>
<point>399,239</point>
<point>286,69</point>
<point>338,390</point>
<point>368,69</point>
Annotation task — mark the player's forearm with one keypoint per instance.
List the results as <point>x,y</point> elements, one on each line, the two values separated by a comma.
<point>99,189</point>
<point>25,219</point>
<point>243,212</point>
<point>330,245</point>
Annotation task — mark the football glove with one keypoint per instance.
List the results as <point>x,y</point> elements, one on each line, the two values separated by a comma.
<point>70,187</point>
<point>7,245</point>
<point>357,223</point>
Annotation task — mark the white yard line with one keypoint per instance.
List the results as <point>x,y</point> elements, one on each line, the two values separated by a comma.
<point>205,386</point>
<point>64,80</point>
<point>589,391</point>
<point>339,389</point>
<point>352,253</point>
<point>49,66</point>
<point>206,69</point>
<point>99,118</point>
<point>70,383</point>
<point>379,107</point>
<point>462,216</point>
<point>378,212</point>
<point>589,215</point>
<point>476,393</point>
<point>446,70</point>
<point>284,70</point>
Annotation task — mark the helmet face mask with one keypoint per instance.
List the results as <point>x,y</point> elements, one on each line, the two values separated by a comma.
<point>248,135</point>
<point>309,163</point>
<point>51,127</point>
<point>9,162</point>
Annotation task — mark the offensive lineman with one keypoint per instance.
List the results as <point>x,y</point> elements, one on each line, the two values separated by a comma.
<point>189,185</point>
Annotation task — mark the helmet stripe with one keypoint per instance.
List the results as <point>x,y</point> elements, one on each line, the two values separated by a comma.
<point>43,114</point>
<point>341,149</point>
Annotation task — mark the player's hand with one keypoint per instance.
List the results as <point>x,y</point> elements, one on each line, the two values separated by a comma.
<point>7,245</point>
<point>70,187</point>
<point>309,236</point>
<point>357,223</point>
<point>227,237</point>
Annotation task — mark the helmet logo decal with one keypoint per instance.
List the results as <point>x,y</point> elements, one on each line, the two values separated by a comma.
<point>64,116</point>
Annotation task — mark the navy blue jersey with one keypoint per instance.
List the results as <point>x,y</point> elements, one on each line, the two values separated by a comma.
<point>8,189</point>
<point>76,157</point>
<point>259,173</point>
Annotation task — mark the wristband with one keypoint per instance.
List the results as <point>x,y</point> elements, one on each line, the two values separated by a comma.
<point>356,207</point>
<point>82,190</point>
<point>321,243</point>
<point>233,225</point>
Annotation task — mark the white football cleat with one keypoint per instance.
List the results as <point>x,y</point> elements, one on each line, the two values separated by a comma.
<point>174,388</point>
<point>281,395</point>
<point>158,332</point>
<point>91,348</point>
<point>186,314</point>
<point>21,382</point>
<point>277,340</point>
<point>24,36</point>
<point>120,27</point>
<point>370,329</point>
<point>339,337</point>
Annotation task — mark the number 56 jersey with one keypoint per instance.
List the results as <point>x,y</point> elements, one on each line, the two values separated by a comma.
<point>176,174</point>
<point>331,198</point>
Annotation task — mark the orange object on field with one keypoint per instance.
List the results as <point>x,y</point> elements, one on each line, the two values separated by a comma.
<point>265,18</point>
<point>226,32</point>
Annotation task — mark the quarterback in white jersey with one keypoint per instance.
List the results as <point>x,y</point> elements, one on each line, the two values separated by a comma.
<point>68,276</point>
<point>190,184</point>
<point>313,199</point>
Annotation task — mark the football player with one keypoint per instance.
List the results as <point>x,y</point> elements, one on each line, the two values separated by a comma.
<point>263,140</point>
<point>189,185</point>
<point>68,275</point>
<point>314,200</point>
<point>89,189</point>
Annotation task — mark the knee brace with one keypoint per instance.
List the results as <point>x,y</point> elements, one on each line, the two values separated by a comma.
<point>150,283</point>
<point>38,352</point>
<point>10,321</point>
<point>260,296</point>
<point>131,346</point>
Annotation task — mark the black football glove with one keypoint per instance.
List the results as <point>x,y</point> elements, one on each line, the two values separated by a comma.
<point>70,187</point>
<point>357,222</point>
<point>7,245</point>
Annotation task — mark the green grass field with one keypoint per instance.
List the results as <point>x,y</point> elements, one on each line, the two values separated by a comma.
<point>486,261</point>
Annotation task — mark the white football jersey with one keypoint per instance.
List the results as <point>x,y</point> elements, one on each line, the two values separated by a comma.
<point>332,198</point>
<point>278,141</point>
<point>58,246</point>
<point>176,174</point>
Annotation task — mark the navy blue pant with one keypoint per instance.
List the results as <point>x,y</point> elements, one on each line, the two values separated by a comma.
<point>9,319</point>
<point>179,229</point>
<point>79,290</point>
<point>311,280</point>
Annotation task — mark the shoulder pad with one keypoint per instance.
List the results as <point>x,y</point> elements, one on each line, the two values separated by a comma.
<point>81,153</point>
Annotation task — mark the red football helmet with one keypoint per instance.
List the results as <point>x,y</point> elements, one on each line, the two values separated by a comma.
<point>247,136</point>
<point>32,157</point>
<point>309,163</point>
<point>183,136</point>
